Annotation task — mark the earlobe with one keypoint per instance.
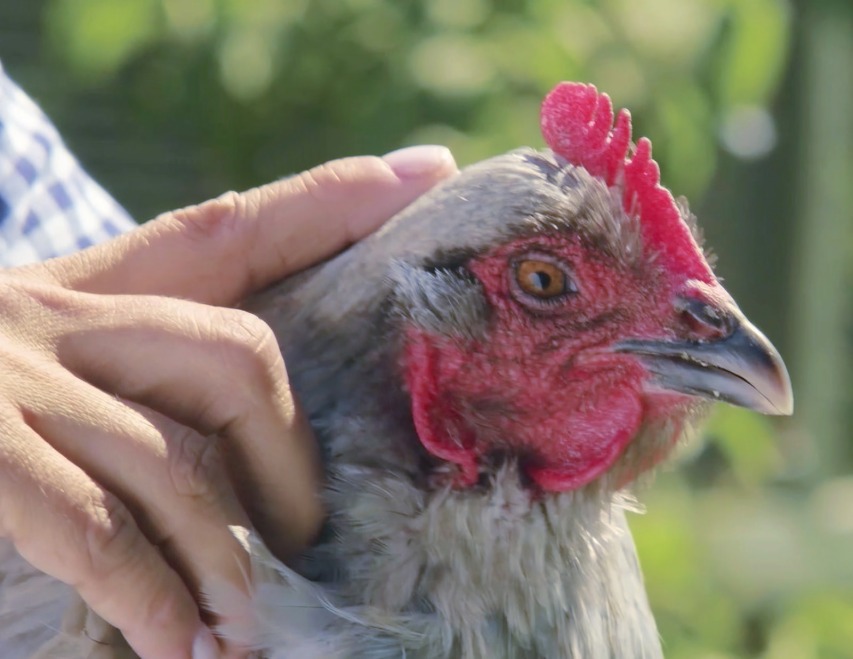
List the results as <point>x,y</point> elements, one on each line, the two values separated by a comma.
<point>438,424</point>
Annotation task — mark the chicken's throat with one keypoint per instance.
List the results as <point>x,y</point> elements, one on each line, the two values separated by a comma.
<point>497,566</point>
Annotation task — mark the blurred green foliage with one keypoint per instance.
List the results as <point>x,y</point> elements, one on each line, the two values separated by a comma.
<point>748,546</point>
<point>268,86</point>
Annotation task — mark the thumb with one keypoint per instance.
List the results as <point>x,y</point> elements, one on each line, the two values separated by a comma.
<point>220,251</point>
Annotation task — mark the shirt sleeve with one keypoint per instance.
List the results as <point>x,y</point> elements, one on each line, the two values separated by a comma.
<point>49,206</point>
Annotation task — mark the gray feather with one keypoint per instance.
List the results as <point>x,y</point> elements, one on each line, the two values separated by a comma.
<point>441,301</point>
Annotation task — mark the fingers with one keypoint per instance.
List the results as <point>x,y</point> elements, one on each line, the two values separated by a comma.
<point>168,475</point>
<point>72,504</point>
<point>65,524</point>
<point>220,371</point>
<point>221,250</point>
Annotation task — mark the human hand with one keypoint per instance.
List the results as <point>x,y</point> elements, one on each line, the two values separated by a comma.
<point>139,416</point>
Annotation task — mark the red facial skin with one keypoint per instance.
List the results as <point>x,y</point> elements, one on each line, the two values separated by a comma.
<point>545,384</point>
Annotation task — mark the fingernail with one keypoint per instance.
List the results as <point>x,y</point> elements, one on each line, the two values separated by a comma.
<point>205,646</point>
<point>418,161</point>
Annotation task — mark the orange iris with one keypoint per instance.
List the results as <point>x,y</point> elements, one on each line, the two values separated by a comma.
<point>540,279</point>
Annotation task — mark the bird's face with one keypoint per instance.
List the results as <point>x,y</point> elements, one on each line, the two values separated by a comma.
<point>593,357</point>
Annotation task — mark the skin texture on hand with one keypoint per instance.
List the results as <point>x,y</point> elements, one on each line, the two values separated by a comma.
<point>140,416</point>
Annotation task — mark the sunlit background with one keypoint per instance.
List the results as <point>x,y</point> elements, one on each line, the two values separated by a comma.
<point>748,544</point>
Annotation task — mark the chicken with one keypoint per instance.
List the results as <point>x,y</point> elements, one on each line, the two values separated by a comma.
<point>487,375</point>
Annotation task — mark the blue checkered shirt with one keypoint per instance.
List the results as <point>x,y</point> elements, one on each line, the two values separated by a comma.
<point>48,205</point>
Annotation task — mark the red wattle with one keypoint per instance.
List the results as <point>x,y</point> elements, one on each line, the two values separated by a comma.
<point>597,437</point>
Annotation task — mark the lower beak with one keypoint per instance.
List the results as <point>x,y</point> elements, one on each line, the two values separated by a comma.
<point>743,369</point>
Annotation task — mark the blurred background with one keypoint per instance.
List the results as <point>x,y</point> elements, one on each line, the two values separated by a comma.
<point>748,544</point>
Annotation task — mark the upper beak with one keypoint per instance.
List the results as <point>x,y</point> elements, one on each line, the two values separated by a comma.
<point>742,368</point>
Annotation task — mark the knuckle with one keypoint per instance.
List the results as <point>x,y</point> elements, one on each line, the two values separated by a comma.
<point>110,536</point>
<point>16,363</point>
<point>320,182</point>
<point>15,294</point>
<point>251,347</point>
<point>28,298</point>
<point>217,218</point>
<point>41,322</point>
<point>11,418</point>
<point>164,606</point>
<point>195,467</point>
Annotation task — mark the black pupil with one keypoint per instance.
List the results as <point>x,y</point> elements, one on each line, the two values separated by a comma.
<point>541,280</point>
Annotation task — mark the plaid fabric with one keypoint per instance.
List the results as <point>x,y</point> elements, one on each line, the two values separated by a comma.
<point>48,205</point>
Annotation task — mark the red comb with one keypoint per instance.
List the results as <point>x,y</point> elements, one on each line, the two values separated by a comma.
<point>577,123</point>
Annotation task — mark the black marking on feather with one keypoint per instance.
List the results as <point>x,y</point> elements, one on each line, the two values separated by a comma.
<point>449,260</point>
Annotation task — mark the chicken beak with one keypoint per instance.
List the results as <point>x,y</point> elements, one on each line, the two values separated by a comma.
<point>742,368</point>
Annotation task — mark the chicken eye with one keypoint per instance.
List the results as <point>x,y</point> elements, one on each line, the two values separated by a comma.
<point>542,279</point>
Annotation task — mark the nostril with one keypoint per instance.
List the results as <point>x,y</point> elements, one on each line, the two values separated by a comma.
<point>705,321</point>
